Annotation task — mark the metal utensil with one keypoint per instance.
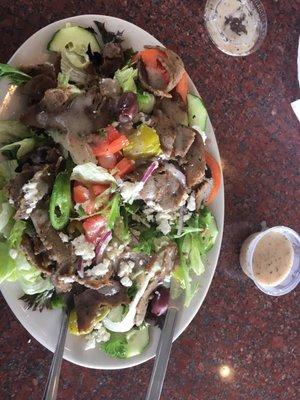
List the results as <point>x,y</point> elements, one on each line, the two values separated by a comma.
<point>51,388</point>
<point>164,348</point>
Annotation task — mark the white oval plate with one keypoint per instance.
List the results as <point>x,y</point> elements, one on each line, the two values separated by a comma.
<point>44,326</point>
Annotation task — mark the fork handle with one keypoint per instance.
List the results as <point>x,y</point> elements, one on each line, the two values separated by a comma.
<point>51,388</point>
<point>162,356</point>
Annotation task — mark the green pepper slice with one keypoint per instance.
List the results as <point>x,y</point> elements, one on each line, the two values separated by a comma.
<point>61,201</point>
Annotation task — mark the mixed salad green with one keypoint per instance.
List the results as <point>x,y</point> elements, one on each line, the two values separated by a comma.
<point>104,186</point>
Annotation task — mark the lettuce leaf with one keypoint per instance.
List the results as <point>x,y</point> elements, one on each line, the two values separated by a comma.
<point>126,77</point>
<point>7,265</point>
<point>19,148</point>
<point>197,238</point>
<point>6,212</point>
<point>15,76</point>
<point>114,212</point>
<point>10,130</point>
<point>63,83</point>
<point>16,233</point>
<point>7,171</point>
<point>91,173</point>
<point>146,102</point>
<point>15,267</point>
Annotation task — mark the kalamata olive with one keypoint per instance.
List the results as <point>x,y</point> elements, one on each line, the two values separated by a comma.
<point>127,107</point>
<point>160,301</point>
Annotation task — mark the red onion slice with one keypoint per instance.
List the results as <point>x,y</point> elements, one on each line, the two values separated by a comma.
<point>101,245</point>
<point>149,171</point>
<point>80,268</point>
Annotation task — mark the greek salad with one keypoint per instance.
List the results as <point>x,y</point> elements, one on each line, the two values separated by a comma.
<point>105,183</point>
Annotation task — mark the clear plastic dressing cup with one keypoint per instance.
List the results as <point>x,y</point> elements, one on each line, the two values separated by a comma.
<point>291,280</point>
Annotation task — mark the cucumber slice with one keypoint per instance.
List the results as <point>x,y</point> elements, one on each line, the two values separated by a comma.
<point>74,38</point>
<point>137,339</point>
<point>197,114</point>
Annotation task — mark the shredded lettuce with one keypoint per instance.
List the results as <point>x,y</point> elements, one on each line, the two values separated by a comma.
<point>146,241</point>
<point>15,76</point>
<point>19,148</point>
<point>126,77</point>
<point>197,239</point>
<point>114,212</point>
<point>116,346</point>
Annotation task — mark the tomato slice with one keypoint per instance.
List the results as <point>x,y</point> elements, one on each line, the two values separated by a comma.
<point>216,175</point>
<point>80,193</point>
<point>183,86</point>
<point>125,166</point>
<point>150,57</point>
<point>106,148</point>
<point>94,227</point>
<point>112,133</point>
<point>100,149</point>
<point>98,189</point>
<point>89,206</point>
<point>108,161</point>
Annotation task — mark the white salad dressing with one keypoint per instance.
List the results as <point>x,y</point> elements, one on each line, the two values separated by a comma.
<point>233,25</point>
<point>128,321</point>
<point>272,259</point>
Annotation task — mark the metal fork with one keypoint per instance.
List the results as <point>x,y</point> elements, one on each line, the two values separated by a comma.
<point>164,349</point>
<point>51,388</point>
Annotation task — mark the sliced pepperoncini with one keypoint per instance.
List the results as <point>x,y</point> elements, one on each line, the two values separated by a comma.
<point>73,325</point>
<point>144,143</point>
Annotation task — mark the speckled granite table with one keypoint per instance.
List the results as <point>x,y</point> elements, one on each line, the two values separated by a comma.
<point>248,100</point>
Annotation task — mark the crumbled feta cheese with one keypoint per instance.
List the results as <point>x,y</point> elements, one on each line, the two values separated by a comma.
<point>11,202</point>
<point>155,207</point>
<point>100,269</point>
<point>77,207</point>
<point>125,268</point>
<point>31,192</point>
<point>144,118</point>
<point>191,203</point>
<point>130,191</point>
<point>187,216</point>
<point>99,334</point>
<point>64,237</point>
<point>13,253</point>
<point>156,267</point>
<point>114,250</point>
<point>83,248</point>
<point>126,281</point>
<point>66,279</point>
<point>183,200</point>
<point>164,226</point>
